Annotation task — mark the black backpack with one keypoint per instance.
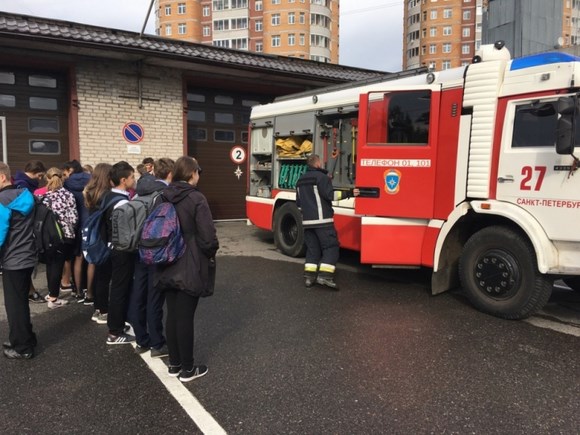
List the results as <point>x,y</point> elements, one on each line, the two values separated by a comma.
<point>48,233</point>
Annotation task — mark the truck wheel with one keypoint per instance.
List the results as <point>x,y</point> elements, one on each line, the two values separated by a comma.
<point>288,231</point>
<point>573,283</point>
<point>498,272</point>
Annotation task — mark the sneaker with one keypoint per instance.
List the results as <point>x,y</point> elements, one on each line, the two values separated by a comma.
<point>12,354</point>
<point>120,339</point>
<point>141,349</point>
<point>35,297</point>
<point>66,288</point>
<point>57,303</point>
<point>174,370</point>
<point>87,301</point>
<point>327,282</point>
<point>102,319</point>
<point>190,375</point>
<point>95,315</point>
<point>159,353</point>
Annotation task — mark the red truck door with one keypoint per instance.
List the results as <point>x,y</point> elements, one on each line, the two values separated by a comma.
<point>395,170</point>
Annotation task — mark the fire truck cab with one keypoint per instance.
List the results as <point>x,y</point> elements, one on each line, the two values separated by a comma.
<point>469,171</point>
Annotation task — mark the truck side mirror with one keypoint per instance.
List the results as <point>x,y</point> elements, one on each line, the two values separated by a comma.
<point>565,130</point>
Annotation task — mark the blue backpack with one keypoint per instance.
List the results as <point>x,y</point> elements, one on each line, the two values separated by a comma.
<point>161,238</point>
<point>95,249</point>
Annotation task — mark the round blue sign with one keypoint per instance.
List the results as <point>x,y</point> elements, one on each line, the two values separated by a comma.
<point>133,132</point>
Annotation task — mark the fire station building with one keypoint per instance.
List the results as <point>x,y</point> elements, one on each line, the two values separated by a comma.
<point>96,94</point>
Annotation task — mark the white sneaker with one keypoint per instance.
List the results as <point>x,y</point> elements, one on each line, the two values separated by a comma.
<point>96,315</point>
<point>57,303</point>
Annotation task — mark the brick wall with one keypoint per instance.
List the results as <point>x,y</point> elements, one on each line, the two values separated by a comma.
<point>108,99</point>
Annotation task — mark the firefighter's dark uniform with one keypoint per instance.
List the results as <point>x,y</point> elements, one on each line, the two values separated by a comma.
<point>314,196</point>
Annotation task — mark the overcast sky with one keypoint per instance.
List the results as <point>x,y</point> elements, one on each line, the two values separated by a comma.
<point>370,30</point>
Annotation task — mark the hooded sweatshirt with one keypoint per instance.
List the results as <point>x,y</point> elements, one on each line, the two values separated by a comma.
<point>16,232</point>
<point>75,184</point>
<point>23,181</point>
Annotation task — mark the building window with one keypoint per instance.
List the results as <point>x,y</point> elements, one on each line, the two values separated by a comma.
<point>291,18</point>
<point>168,10</point>
<point>218,5</point>
<point>196,115</point>
<point>446,64</point>
<point>291,39</point>
<point>434,14</point>
<point>302,40</point>
<point>197,134</point>
<point>432,49</point>
<point>447,30</point>
<point>467,15</point>
<point>302,18</point>
<point>258,26</point>
<point>42,81</point>
<point>181,8</point>
<point>433,31</point>
<point>423,33</point>
<point>167,29</point>
<point>258,5</point>
<point>276,41</point>
<point>7,101</point>
<point>275,19</point>
<point>447,13</point>
<point>239,23</point>
<point>466,32</point>
<point>465,49</point>
<point>423,50</point>
<point>259,47</point>
<point>224,136</point>
<point>205,11</point>
<point>7,78</point>
<point>447,48</point>
<point>43,125</point>
<point>275,2</point>
<point>221,25</point>
<point>41,146</point>
<point>206,31</point>
<point>182,28</point>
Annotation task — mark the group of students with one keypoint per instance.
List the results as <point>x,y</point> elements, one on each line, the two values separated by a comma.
<point>123,290</point>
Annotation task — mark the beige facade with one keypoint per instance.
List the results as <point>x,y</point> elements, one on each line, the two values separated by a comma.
<point>307,29</point>
<point>108,98</point>
<point>441,34</point>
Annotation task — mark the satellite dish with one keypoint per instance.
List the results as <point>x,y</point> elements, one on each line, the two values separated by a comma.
<point>559,42</point>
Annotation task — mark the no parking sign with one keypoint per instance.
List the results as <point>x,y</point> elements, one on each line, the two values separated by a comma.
<point>133,132</point>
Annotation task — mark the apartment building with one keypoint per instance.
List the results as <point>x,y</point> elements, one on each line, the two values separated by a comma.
<point>306,29</point>
<point>441,34</point>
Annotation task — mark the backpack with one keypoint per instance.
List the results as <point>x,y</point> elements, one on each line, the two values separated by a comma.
<point>127,222</point>
<point>161,239</point>
<point>48,233</point>
<point>95,249</point>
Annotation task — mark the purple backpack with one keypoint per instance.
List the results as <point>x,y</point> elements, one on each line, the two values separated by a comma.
<point>161,238</point>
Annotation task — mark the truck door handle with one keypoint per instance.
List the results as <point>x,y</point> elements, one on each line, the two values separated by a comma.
<point>506,179</point>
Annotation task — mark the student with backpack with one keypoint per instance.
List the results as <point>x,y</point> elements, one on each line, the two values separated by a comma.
<point>98,277</point>
<point>63,204</point>
<point>122,262</point>
<point>146,303</point>
<point>192,275</point>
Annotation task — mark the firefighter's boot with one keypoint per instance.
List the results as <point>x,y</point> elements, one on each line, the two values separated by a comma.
<point>310,274</point>
<point>326,279</point>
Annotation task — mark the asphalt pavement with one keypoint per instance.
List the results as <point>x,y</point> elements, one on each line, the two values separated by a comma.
<point>380,356</point>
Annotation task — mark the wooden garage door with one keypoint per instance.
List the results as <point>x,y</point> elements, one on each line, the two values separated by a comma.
<point>216,122</point>
<point>33,104</point>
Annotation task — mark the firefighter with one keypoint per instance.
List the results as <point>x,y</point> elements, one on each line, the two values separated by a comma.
<point>314,196</point>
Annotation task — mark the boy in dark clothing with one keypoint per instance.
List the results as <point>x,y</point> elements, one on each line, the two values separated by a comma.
<point>146,302</point>
<point>18,255</point>
<point>122,263</point>
<point>30,178</point>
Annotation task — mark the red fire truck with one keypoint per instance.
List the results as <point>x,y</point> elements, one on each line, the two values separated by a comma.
<point>468,171</point>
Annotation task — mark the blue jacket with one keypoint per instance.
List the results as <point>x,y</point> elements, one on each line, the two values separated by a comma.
<point>16,228</point>
<point>25,182</point>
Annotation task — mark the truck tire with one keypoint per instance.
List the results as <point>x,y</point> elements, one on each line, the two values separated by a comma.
<point>498,271</point>
<point>573,283</point>
<point>288,231</point>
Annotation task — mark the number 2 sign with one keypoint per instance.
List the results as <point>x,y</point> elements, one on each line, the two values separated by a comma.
<point>238,155</point>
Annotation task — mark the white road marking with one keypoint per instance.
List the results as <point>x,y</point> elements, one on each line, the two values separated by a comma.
<point>203,419</point>
<point>555,326</point>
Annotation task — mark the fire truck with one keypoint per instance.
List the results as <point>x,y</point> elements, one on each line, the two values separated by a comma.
<point>469,172</point>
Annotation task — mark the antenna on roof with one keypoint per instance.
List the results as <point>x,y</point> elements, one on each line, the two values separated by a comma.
<point>147,17</point>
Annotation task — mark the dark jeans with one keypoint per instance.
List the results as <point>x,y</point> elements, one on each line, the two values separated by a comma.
<point>179,328</point>
<point>16,285</point>
<point>54,265</point>
<point>321,245</point>
<point>102,283</point>
<point>122,265</point>
<point>146,308</point>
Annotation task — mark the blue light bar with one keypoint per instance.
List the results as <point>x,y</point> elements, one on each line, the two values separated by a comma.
<point>542,59</point>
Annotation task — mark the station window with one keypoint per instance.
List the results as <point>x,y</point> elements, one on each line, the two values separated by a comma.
<point>223,99</point>
<point>7,78</point>
<point>43,125</point>
<point>7,101</point>
<point>224,118</point>
<point>535,125</point>
<point>43,103</point>
<point>40,146</point>
<point>42,81</point>
<point>224,136</point>
<point>196,115</point>
<point>244,136</point>
<point>198,134</point>
<point>198,98</point>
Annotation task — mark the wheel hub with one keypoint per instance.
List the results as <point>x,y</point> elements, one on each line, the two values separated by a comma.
<point>497,274</point>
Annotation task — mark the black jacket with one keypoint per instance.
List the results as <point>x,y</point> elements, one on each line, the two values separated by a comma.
<point>192,272</point>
